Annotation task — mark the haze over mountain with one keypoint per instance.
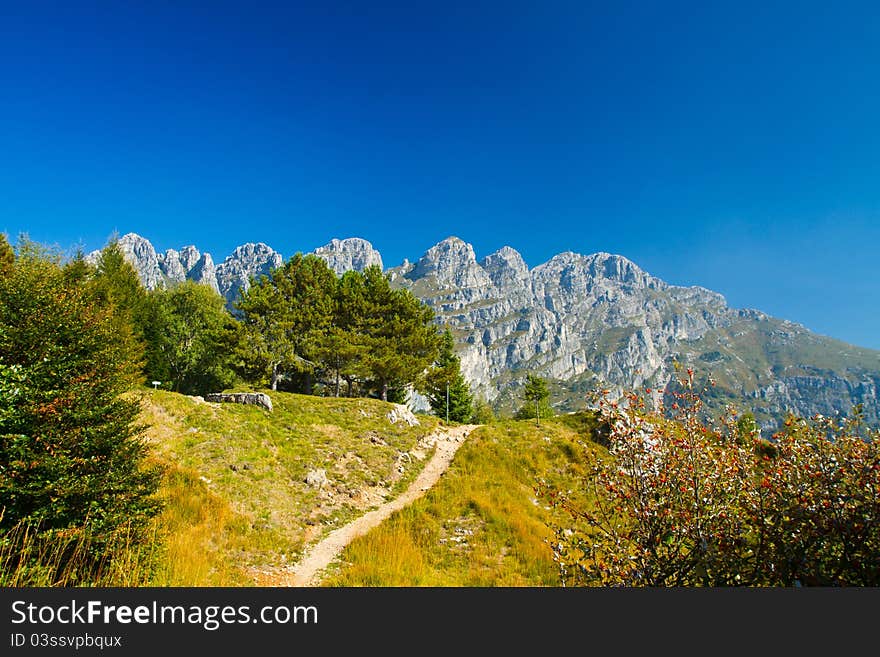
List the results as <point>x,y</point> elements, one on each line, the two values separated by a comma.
<point>581,321</point>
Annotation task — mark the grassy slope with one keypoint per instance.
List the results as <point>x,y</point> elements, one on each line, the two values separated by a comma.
<point>482,524</point>
<point>235,485</point>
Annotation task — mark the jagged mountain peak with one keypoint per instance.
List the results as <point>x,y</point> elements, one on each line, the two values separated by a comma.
<point>452,262</point>
<point>598,269</point>
<point>251,248</point>
<point>247,261</point>
<point>189,256</point>
<point>507,255</point>
<point>580,320</point>
<point>140,253</point>
<point>506,266</point>
<point>351,253</point>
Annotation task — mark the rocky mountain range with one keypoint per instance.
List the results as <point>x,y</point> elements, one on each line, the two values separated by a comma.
<point>581,321</point>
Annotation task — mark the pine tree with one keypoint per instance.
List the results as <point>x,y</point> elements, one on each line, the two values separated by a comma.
<point>7,255</point>
<point>118,284</point>
<point>286,316</point>
<point>343,349</point>
<point>71,455</point>
<point>77,270</point>
<point>401,339</point>
<point>447,390</point>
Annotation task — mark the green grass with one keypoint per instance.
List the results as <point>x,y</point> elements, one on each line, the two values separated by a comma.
<point>482,524</point>
<point>237,500</point>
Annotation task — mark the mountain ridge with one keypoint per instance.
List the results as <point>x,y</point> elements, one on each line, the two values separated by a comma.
<point>581,321</point>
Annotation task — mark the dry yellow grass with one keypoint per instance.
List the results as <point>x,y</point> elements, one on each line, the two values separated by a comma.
<point>482,524</point>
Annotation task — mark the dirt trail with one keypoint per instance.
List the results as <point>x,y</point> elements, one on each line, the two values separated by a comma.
<point>309,570</point>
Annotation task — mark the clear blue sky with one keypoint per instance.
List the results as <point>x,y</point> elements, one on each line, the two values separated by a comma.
<point>730,145</point>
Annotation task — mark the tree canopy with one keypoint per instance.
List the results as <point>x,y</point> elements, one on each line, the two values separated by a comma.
<point>190,338</point>
<point>304,320</point>
<point>535,396</point>
<point>447,390</point>
<point>71,454</point>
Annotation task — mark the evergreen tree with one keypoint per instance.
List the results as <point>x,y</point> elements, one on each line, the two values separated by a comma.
<point>447,390</point>
<point>343,349</point>
<point>286,317</point>
<point>7,255</point>
<point>536,396</point>
<point>190,339</point>
<point>118,284</point>
<point>71,454</point>
<point>266,346</point>
<point>77,270</point>
<point>747,428</point>
<point>402,341</point>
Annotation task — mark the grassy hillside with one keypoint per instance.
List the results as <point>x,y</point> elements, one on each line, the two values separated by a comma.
<point>239,507</point>
<point>239,504</point>
<point>482,524</point>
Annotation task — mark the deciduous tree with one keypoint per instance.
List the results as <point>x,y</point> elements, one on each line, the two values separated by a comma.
<point>536,396</point>
<point>190,339</point>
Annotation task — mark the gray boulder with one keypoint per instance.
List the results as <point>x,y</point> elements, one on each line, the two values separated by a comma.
<point>255,398</point>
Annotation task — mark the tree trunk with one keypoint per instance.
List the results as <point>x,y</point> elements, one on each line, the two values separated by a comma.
<point>275,377</point>
<point>308,383</point>
<point>337,383</point>
<point>385,391</point>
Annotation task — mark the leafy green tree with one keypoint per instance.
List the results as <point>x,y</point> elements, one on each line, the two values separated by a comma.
<point>747,427</point>
<point>72,459</point>
<point>286,317</point>
<point>482,413</point>
<point>402,341</point>
<point>447,390</point>
<point>536,396</point>
<point>190,339</point>
<point>117,283</point>
<point>343,348</point>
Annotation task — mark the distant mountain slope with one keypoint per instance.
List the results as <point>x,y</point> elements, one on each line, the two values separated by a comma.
<point>583,321</point>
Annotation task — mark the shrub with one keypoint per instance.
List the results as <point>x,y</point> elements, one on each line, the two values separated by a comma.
<point>682,503</point>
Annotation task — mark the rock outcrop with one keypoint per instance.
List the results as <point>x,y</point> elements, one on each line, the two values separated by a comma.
<point>250,260</point>
<point>350,254</point>
<point>161,270</point>
<point>589,320</point>
<point>401,413</point>
<point>188,265</point>
<point>139,252</point>
<point>255,398</point>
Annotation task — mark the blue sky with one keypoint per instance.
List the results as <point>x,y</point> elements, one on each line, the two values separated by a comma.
<point>730,145</point>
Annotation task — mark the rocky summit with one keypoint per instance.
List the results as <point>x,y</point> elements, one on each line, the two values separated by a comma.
<point>582,321</point>
<point>228,278</point>
<point>349,254</point>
